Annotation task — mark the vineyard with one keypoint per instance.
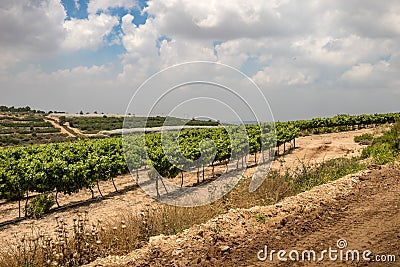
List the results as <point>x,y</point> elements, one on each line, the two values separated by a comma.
<point>25,128</point>
<point>69,167</point>
<point>92,125</point>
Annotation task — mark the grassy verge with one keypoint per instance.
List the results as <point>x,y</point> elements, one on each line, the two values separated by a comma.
<point>385,148</point>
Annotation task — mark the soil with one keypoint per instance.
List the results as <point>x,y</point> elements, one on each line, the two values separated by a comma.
<point>131,199</point>
<point>318,148</point>
<point>362,210</point>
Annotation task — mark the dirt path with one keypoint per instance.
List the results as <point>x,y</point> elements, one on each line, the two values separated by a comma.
<point>131,199</point>
<point>317,148</point>
<point>56,125</point>
<point>72,131</point>
<point>362,210</point>
<point>75,130</point>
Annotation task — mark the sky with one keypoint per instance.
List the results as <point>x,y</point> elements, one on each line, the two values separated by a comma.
<point>307,58</point>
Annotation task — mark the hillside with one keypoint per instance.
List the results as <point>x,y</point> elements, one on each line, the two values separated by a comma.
<point>21,126</point>
<point>27,128</point>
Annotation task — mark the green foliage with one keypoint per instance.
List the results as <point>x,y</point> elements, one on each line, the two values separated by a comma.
<point>26,129</point>
<point>342,122</point>
<point>364,138</point>
<point>306,177</point>
<point>13,109</point>
<point>381,153</point>
<point>96,124</point>
<point>69,167</point>
<point>260,218</point>
<point>62,120</point>
<point>385,148</point>
<point>39,206</point>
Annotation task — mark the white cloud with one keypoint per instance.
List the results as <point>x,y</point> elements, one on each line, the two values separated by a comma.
<point>29,29</point>
<point>367,75</point>
<point>283,77</point>
<point>366,18</point>
<point>77,5</point>
<point>178,51</point>
<point>221,20</point>
<point>358,72</point>
<point>139,41</point>
<point>321,48</point>
<point>104,5</point>
<point>88,33</point>
<point>81,88</point>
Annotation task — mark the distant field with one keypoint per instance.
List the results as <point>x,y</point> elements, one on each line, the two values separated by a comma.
<point>26,128</point>
<point>94,124</point>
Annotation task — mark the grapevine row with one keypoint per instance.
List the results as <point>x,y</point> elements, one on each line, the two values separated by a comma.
<point>70,167</point>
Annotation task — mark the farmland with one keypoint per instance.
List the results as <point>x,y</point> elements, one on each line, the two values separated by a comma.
<point>94,124</point>
<point>70,168</point>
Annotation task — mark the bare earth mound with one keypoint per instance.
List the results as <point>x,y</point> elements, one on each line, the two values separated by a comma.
<point>363,209</point>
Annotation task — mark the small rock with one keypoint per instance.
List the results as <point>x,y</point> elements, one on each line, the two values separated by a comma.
<point>374,167</point>
<point>225,249</point>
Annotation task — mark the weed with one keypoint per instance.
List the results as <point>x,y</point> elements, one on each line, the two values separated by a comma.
<point>364,139</point>
<point>260,218</point>
<point>39,205</point>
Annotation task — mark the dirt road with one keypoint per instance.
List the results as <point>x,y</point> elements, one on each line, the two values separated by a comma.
<point>56,125</point>
<point>362,211</point>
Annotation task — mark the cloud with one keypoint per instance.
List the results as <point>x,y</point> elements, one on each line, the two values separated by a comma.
<point>77,4</point>
<point>367,75</point>
<point>81,88</point>
<point>95,6</point>
<point>299,52</point>
<point>366,18</point>
<point>139,41</point>
<point>221,20</point>
<point>322,50</point>
<point>283,77</point>
<point>88,33</point>
<point>29,29</point>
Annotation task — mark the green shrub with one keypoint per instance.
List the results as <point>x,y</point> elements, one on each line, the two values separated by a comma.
<point>306,177</point>
<point>381,153</point>
<point>364,138</point>
<point>39,206</point>
<point>385,148</point>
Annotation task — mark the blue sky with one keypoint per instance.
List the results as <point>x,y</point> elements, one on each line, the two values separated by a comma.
<point>330,58</point>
